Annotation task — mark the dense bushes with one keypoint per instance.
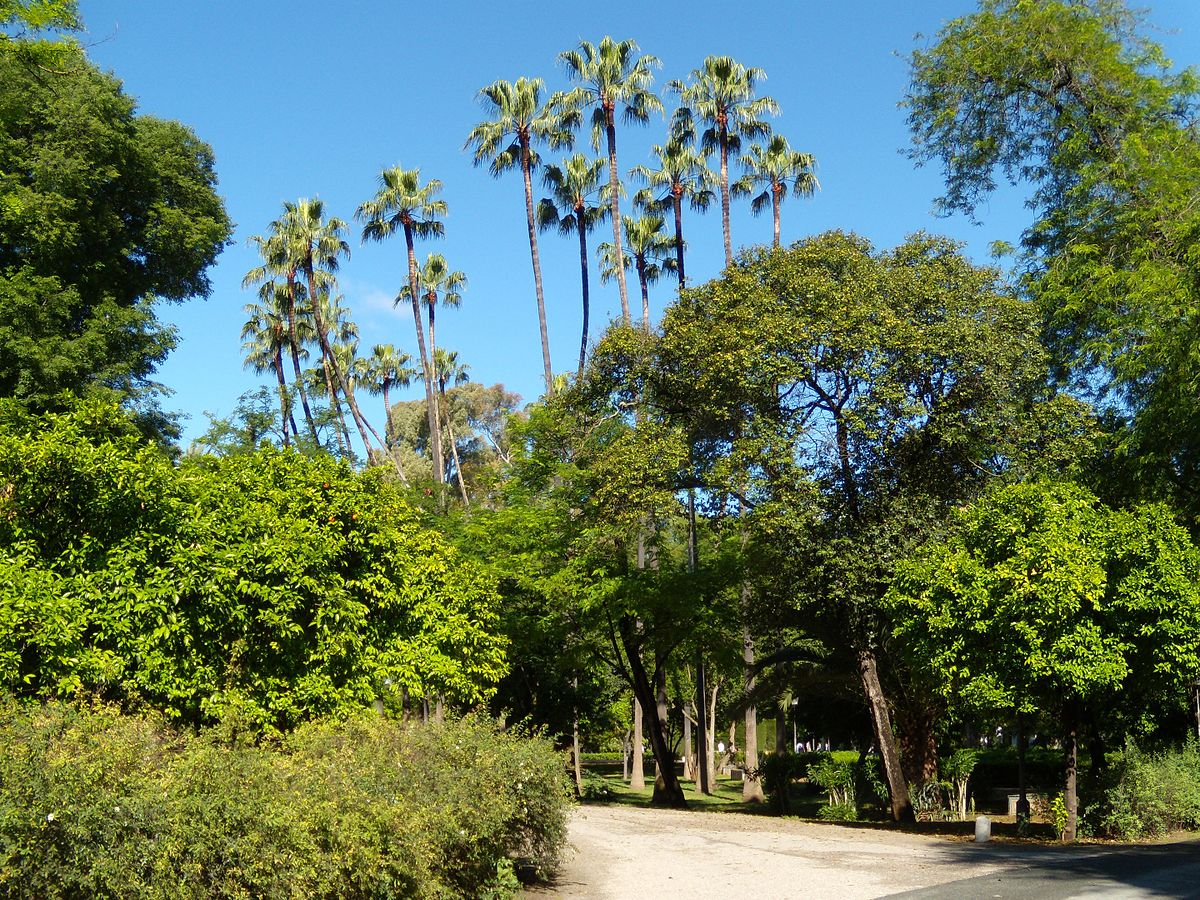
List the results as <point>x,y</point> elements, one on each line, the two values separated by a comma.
<point>1148,794</point>
<point>98,804</point>
<point>283,586</point>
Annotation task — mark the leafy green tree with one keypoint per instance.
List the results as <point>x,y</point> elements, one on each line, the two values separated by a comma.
<point>723,96</point>
<point>404,204</point>
<point>611,75</point>
<point>681,174</point>
<point>24,25</point>
<point>506,141</point>
<point>1073,101</point>
<point>104,215</point>
<point>775,168</point>
<point>574,205</point>
<point>650,252</point>
<point>1044,599</point>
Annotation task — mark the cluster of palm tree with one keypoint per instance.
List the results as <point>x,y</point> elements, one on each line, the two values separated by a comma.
<point>720,113</point>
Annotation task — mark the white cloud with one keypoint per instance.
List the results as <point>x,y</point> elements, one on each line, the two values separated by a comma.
<point>369,300</point>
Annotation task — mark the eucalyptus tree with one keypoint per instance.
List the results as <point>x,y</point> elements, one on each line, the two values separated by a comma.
<point>449,370</point>
<point>650,250</point>
<point>505,142</point>
<point>264,335</point>
<point>775,168</point>
<point>384,369</point>
<point>682,173</point>
<point>314,245</point>
<point>723,96</point>
<point>610,74</point>
<point>275,266</point>
<point>575,206</point>
<point>404,204</point>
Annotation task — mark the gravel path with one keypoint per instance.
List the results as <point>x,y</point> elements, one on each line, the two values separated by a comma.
<point>622,852</point>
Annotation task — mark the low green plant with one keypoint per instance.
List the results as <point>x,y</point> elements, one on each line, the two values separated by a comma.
<point>1148,794</point>
<point>838,812</point>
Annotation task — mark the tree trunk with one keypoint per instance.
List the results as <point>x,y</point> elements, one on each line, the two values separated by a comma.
<point>689,770</point>
<point>703,752</point>
<point>1071,788</point>
<point>387,416</point>
<point>725,197</point>
<point>297,371</point>
<point>1022,780</point>
<point>578,765</point>
<point>462,485</point>
<point>917,725</point>
<point>781,716</point>
<point>626,750</point>
<point>637,766</point>
<point>342,432</point>
<point>285,406</point>
<point>669,793</point>
<point>641,267</point>
<point>885,739</point>
<point>583,269</point>
<point>660,710</point>
<point>438,449</point>
<point>711,761</point>
<point>752,791</point>
<point>677,205</point>
<point>537,265</point>
<point>426,364</point>
<point>775,210</point>
<point>614,183</point>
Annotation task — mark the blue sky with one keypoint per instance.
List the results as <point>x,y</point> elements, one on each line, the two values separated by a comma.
<point>302,99</point>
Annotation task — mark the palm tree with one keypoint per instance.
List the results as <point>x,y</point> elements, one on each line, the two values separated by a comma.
<point>403,204</point>
<point>681,173</point>
<point>775,168</point>
<point>448,370</point>
<point>264,335</point>
<point>383,370</point>
<point>721,95</point>
<point>505,142</point>
<point>575,206</point>
<point>610,75</point>
<point>649,248</point>
<point>343,349</point>
<point>276,265</point>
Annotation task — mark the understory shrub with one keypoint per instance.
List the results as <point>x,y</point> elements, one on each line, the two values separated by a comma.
<point>1148,794</point>
<point>94,803</point>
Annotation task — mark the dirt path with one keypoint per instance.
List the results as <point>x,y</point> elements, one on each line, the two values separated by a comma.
<point>623,852</point>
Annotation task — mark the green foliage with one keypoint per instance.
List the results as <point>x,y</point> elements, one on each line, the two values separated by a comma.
<point>93,803</point>
<point>102,212</point>
<point>279,585</point>
<point>1147,795</point>
<point>838,812</point>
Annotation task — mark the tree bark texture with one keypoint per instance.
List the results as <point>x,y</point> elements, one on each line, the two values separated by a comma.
<point>885,739</point>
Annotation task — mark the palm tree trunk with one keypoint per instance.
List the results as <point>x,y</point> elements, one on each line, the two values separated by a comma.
<point>725,197</point>
<point>677,204</point>
<point>462,487</point>
<point>583,269</point>
<point>775,210</point>
<point>343,434</point>
<point>537,266</point>
<point>298,372</point>
<point>641,269</point>
<point>614,183</point>
<point>387,415</point>
<point>426,367</point>
<point>285,411</point>
<point>438,449</point>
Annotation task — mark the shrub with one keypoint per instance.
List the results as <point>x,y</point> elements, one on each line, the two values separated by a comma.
<point>98,804</point>
<point>1146,795</point>
<point>838,812</point>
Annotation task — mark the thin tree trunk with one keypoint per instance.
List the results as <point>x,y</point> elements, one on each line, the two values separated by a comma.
<point>711,761</point>
<point>435,437</point>
<point>583,270</point>
<point>885,739</point>
<point>677,205</point>
<point>387,415</point>
<point>462,485</point>
<point>725,197</point>
<point>703,753</point>
<point>297,371</point>
<point>752,791</point>
<point>637,770</point>
<point>689,771</point>
<point>641,267</point>
<point>431,302</point>
<point>537,265</point>
<point>343,434</point>
<point>1022,779</point>
<point>1071,791</point>
<point>575,740</point>
<point>781,714</point>
<point>614,183</point>
<point>775,210</point>
<point>285,408</point>
<point>660,710</point>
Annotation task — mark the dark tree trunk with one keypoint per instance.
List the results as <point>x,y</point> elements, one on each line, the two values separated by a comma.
<point>669,793</point>
<point>537,265</point>
<point>641,268</point>
<point>677,205</point>
<point>885,739</point>
<point>285,405</point>
<point>583,270</point>
<point>298,373</point>
<point>917,725</point>
<point>1022,777</point>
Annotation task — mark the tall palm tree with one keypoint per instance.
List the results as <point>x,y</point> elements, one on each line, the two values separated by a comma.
<point>650,250</point>
<point>264,335</point>
<point>278,269</point>
<point>343,347</point>
<point>610,74</point>
<point>450,371</point>
<point>574,206</point>
<point>504,142</point>
<point>722,96</point>
<point>682,173</point>
<point>383,370</point>
<point>404,204</point>
<point>315,245</point>
<point>775,168</point>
